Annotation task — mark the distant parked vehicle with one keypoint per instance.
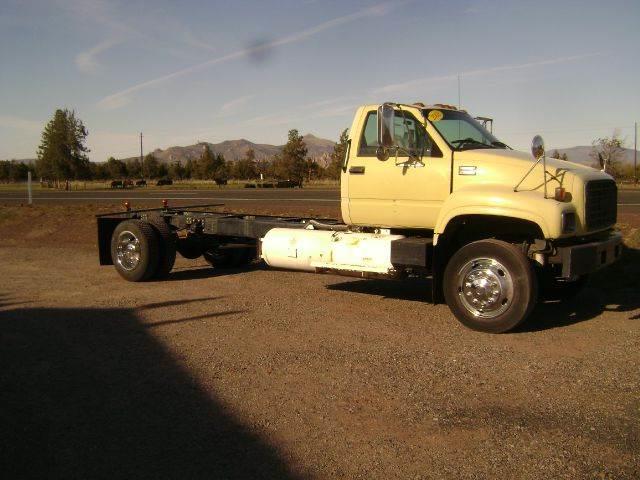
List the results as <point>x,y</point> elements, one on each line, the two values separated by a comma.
<point>141,183</point>
<point>220,181</point>
<point>288,184</point>
<point>127,183</point>
<point>164,181</point>
<point>117,184</point>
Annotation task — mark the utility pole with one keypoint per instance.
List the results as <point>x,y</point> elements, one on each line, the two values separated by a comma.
<point>635,153</point>
<point>141,159</point>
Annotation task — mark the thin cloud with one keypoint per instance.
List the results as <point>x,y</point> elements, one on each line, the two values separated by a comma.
<point>115,100</point>
<point>8,121</point>
<point>87,61</point>
<point>400,87</point>
<point>235,103</point>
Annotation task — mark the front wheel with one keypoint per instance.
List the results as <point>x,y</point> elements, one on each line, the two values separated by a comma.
<point>490,286</point>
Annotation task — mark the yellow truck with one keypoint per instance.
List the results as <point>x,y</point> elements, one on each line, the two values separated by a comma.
<point>425,191</point>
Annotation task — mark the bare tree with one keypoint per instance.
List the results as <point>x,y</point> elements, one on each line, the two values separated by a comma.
<point>608,152</point>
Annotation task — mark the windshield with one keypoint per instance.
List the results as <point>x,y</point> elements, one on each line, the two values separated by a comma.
<point>461,131</point>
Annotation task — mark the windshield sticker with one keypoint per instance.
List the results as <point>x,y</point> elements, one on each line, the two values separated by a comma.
<point>435,116</point>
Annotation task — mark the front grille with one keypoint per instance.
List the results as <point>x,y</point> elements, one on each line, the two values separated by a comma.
<point>600,204</point>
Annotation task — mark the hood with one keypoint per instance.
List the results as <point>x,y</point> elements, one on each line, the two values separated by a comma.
<point>522,159</point>
<point>509,166</point>
<point>506,168</point>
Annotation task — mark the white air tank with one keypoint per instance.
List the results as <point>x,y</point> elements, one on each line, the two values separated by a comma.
<point>309,250</point>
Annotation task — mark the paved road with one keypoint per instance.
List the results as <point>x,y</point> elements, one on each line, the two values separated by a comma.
<point>628,200</point>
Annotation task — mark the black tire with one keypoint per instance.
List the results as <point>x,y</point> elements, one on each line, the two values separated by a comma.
<point>145,244</point>
<point>496,273</point>
<point>167,248</point>
<point>229,257</point>
<point>554,290</point>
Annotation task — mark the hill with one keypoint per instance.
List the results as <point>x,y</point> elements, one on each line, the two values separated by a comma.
<point>581,154</point>
<point>319,150</point>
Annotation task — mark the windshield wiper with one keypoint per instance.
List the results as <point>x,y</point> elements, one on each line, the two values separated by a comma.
<point>472,141</point>
<point>498,143</point>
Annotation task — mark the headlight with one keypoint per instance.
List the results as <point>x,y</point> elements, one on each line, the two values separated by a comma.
<point>568,222</point>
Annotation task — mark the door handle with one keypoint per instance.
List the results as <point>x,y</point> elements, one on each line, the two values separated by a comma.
<point>356,170</point>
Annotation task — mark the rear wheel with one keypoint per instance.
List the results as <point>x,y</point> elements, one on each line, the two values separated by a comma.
<point>167,247</point>
<point>490,286</point>
<point>135,250</point>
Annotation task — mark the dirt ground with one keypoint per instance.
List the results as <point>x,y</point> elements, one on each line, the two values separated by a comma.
<point>258,373</point>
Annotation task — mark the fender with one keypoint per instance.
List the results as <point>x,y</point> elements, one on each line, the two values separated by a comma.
<point>501,200</point>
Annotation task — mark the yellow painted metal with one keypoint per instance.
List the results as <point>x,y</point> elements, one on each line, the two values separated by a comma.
<point>394,194</point>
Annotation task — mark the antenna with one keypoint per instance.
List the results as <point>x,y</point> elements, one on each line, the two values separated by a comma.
<point>459,95</point>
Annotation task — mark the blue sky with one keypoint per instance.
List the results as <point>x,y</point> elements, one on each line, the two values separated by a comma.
<point>203,70</point>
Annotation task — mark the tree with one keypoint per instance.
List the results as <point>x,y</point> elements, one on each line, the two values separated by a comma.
<point>13,171</point>
<point>134,167</point>
<point>559,156</point>
<point>224,171</point>
<point>609,152</point>
<point>189,169</point>
<point>116,168</point>
<point>337,156</point>
<point>205,166</point>
<point>62,153</point>
<point>176,170</point>
<point>290,164</point>
<point>246,167</point>
<point>151,166</point>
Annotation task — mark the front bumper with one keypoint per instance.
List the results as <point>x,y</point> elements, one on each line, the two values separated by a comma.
<point>577,260</point>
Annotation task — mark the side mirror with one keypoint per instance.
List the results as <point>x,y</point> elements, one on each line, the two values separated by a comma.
<point>385,125</point>
<point>382,154</point>
<point>537,147</point>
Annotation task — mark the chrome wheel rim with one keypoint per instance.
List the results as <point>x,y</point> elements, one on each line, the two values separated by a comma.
<point>128,250</point>
<point>485,287</point>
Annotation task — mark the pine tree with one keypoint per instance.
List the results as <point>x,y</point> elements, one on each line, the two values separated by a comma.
<point>62,153</point>
<point>205,166</point>
<point>291,164</point>
<point>337,156</point>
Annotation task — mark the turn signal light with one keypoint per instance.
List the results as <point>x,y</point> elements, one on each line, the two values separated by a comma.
<point>561,194</point>
<point>127,206</point>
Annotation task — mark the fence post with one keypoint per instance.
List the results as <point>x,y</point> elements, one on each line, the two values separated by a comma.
<point>29,187</point>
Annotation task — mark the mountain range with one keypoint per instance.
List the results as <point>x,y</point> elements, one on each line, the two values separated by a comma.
<point>319,149</point>
<point>582,155</point>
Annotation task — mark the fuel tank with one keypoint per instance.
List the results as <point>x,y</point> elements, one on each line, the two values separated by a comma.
<point>312,250</point>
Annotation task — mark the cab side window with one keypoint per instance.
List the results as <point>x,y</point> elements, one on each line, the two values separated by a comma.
<point>409,134</point>
<point>369,138</point>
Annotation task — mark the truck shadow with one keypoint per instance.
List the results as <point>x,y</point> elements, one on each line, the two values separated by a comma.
<point>417,290</point>
<point>90,393</point>
<point>207,271</point>
<point>612,289</point>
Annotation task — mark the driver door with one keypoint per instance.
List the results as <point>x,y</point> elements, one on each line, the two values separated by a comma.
<point>407,189</point>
